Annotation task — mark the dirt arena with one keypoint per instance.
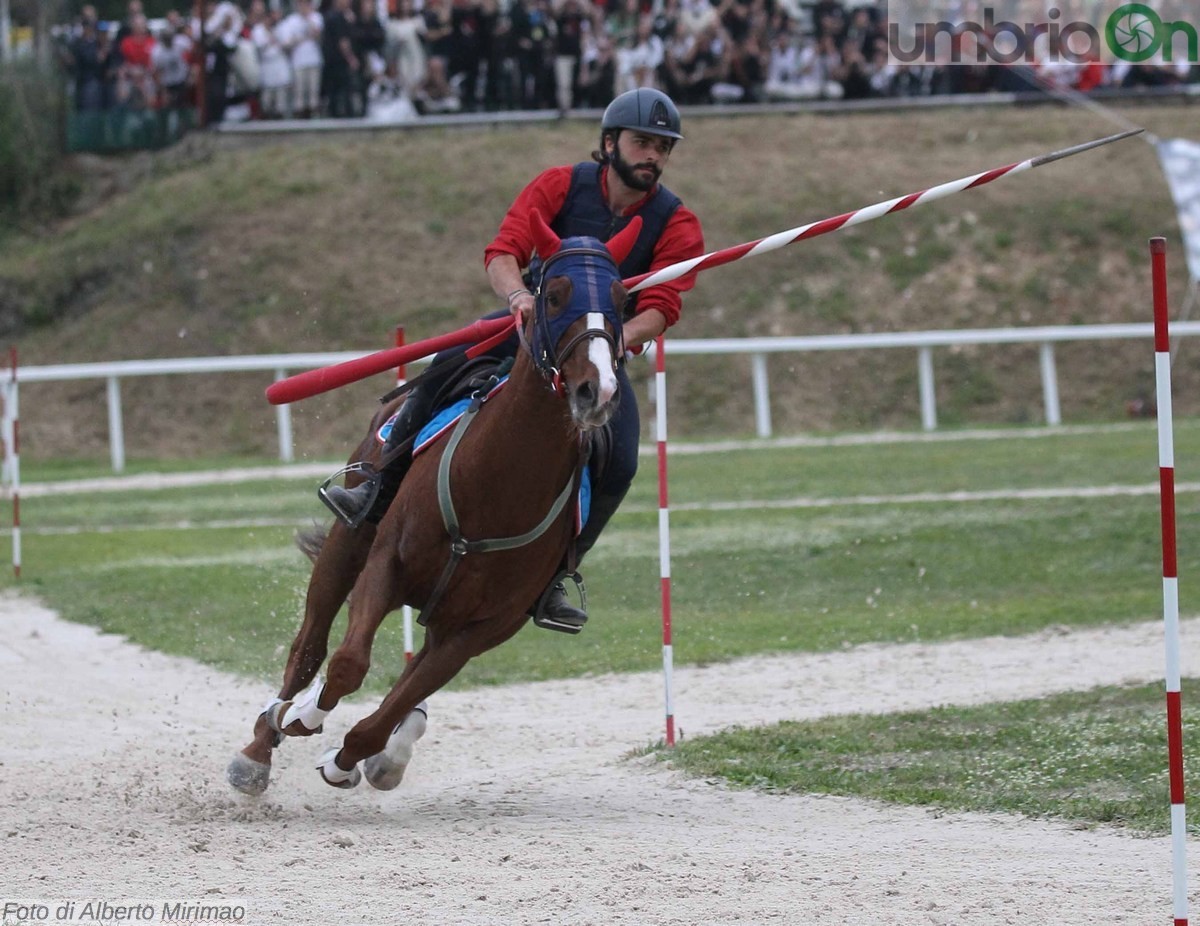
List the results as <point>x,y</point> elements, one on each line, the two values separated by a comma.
<point>522,805</point>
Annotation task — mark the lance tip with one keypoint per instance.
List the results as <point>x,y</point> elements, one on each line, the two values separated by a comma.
<point>1086,146</point>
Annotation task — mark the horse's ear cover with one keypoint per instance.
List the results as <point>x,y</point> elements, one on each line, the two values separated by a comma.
<point>544,239</point>
<point>620,244</point>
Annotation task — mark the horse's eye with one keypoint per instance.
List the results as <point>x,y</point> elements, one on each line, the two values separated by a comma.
<point>558,295</point>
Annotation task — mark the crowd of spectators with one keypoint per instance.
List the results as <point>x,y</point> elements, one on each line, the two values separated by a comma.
<point>303,58</point>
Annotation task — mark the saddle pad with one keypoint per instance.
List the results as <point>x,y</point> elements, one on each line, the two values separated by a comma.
<point>441,422</point>
<point>444,420</point>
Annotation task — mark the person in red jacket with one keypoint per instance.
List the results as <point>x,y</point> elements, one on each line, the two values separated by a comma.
<point>598,198</point>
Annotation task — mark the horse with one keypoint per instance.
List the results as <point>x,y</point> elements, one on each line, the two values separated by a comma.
<point>506,476</point>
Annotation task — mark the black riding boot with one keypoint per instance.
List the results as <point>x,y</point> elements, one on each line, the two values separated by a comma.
<point>369,500</point>
<point>554,610</point>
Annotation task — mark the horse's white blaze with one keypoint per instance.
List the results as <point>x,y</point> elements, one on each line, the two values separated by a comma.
<point>600,354</point>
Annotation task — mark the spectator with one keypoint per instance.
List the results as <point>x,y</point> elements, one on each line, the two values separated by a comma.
<point>341,65</point>
<point>137,86</point>
<point>170,60</point>
<point>222,31</point>
<point>637,63</point>
<point>88,60</point>
<point>597,70</point>
<point>464,51</point>
<point>437,94</point>
<point>368,39</point>
<point>270,39</point>
<point>406,32</point>
<point>570,23</point>
<point>301,36</point>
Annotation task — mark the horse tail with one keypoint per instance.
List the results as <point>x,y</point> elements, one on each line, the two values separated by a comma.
<point>310,540</point>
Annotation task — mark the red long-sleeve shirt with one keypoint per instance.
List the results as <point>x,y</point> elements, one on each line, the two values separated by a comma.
<point>681,239</point>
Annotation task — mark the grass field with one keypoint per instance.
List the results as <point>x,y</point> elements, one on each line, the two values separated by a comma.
<point>748,577</point>
<point>774,549</point>
<point>1092,757</point>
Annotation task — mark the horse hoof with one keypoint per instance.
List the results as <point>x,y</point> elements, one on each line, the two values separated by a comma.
<point>335,775</point>
<point>247,775</point>
<point>385,770</point>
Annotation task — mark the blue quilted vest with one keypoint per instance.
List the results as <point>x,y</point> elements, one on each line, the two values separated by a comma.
<point>585,212</point>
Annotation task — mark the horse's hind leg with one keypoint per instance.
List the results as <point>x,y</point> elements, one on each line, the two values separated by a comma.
<point>335,569</point>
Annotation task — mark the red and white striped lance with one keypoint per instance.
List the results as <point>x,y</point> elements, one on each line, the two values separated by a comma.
<point>866,214</point>
<point>1170,577</point>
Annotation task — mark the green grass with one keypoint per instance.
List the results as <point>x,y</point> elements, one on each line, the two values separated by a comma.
<point>1094,757</point>
<point>229,588</point>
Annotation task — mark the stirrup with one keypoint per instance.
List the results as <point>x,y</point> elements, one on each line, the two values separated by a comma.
<point>544,620</point>
<point>373,479</point>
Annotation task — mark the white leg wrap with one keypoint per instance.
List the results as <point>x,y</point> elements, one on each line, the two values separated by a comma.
<point>333,774</point>
<point>407,732</point>
<point>305,709</point>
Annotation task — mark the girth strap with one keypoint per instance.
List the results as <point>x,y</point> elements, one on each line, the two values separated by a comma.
<point>459,546</point>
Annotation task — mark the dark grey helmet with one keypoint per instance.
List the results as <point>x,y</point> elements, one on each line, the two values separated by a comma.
<point>644,110</point>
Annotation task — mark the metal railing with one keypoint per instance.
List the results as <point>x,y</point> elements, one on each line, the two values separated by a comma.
<point>924,342</point>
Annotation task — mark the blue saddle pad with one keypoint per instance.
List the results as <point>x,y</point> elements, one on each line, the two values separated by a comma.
<point>445,419</point>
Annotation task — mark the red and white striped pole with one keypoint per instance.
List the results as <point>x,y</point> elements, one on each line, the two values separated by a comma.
<point>15,463</point>
<point>1166,479</point>
<point>664,530</point>
<point>407,610</point>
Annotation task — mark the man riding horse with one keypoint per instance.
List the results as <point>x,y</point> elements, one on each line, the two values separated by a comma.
<point>595,198</point>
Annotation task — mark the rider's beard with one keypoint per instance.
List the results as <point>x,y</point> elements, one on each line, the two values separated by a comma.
<point>628,172</point>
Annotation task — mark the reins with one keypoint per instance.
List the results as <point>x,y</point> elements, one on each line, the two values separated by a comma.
<point>459,545</point>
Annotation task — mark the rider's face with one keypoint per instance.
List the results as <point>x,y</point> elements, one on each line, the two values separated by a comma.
<point>639,158</point>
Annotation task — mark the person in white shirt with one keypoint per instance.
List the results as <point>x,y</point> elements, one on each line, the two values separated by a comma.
<point>301,35</point>
<point>275,62</point>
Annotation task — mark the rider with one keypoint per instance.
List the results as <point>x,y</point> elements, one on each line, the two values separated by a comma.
<point>638,131</point>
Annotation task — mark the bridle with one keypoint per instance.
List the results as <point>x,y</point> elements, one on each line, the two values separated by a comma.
<point>547,359</point>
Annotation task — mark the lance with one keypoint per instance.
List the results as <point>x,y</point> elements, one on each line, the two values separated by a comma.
<point>866,214</point>
<point>484,333</point>
<point>492,331</point>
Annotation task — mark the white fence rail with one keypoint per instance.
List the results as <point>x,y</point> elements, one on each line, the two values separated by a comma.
<point>924,342</point>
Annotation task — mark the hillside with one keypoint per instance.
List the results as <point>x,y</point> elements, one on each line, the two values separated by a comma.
<point>328,244</point>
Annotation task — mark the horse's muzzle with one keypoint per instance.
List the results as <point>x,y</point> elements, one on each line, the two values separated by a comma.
<point>589,408</point>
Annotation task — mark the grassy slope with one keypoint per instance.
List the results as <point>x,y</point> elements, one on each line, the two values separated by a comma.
<point>327,244</point>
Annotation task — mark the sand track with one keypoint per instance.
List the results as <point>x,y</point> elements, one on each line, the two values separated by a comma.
<point>521,806</point>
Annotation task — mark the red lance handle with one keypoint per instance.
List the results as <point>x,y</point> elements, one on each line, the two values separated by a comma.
<point>313,382</point>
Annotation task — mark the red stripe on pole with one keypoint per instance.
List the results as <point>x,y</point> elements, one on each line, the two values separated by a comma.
<point>991,175</point>
<point>907,201</point>
<point>1175,744</point>
<point>1158,272</point>
<point>1166,492</point>
<point>825,226</point>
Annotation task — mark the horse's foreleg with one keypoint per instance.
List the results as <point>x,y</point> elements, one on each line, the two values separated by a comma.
<point>371,738</point>
<point>441,661</point>
<point>335,570</point>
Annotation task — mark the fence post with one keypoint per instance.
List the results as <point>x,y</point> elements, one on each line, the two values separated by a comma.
<point>283,426</point>
<point>925,382</point>
<point>762,395</point>
<point>116,426</point>
<point>1049,384</point>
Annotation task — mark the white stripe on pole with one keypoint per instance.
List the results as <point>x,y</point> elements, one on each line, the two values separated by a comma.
<point>664,536</point>
<point>407,610</point>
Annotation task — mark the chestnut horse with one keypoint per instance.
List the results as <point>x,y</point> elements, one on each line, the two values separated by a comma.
<point>509,470</point>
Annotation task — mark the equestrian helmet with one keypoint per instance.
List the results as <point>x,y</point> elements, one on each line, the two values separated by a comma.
<point>644,110</point>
